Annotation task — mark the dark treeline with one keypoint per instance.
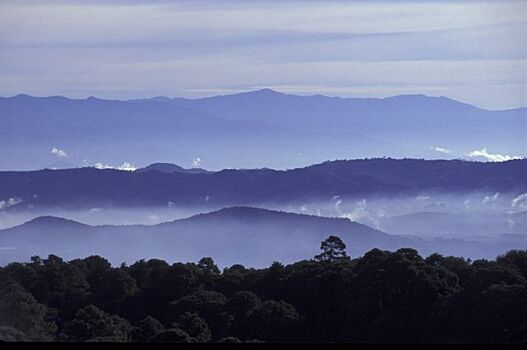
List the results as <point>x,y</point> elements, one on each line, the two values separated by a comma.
<point>380,297</point>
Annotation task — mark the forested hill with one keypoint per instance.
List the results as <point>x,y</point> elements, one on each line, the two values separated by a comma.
<point>89,187</point>
<point>380,297</point>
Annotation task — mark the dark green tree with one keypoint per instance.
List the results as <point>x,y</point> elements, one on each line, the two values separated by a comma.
<point>195,326</point>
<point>10,334</point>
<point>208,265</point>
<point>91,323</point>
<point>172,335</point>
<point>274,321</point>
<point>21,312</point>
<point>146,329</point>
<point>333,249</point>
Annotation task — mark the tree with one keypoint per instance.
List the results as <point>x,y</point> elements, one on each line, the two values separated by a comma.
<point>333,249</point>
<point>19,311</point>
<point>115,285</point>
<point>195,326</point>
<point>209,305</point>
<point>273,320</point>
<point>91,323</point>
<point>146,329</point>
<point>207,265</point>
<point>242,302</point>
<point>172,335</point>
<point>10,334</point>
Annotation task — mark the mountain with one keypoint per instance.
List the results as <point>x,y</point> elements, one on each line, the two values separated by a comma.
<point>409,122</point>
<point>250,236</point>
<point>254,129</point>
<point>111,132</point>
<point>171,168</point>
<point>91,187</point>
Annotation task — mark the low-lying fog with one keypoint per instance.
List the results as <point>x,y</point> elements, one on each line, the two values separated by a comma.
<point>427,215</point>
<point>481,225</point>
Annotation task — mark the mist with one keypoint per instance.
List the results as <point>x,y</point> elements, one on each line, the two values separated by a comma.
<point>474,225</point>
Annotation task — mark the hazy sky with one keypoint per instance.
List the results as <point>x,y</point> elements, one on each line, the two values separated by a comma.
<point>474,51</point>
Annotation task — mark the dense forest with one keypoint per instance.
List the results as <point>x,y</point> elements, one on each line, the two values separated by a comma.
<point>380,297</point>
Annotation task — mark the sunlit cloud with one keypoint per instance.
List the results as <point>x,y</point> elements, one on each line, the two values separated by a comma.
<point>493,157</point>
<point>59,152</point>
<point>126,166</point>
<point>520,201</point>
<point>491,199</point>
<point>441,150</point>
<point>196,162</point>
<point>4,204</point>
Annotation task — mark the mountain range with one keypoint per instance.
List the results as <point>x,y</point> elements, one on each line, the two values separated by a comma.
<point>246,235</point>
<point>161,186</point>
<point>261,128</point>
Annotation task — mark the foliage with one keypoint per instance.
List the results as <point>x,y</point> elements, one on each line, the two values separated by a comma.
<point>380,297</point>
<point>333,249</point>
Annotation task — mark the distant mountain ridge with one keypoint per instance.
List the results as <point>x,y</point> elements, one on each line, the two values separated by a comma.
<point>228,234</point>
<point>172,168</point>
<point>261,128</point>
<point>246,235</point>
<point>90,187</point>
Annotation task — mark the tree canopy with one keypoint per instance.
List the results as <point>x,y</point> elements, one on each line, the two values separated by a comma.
<point>382,296</point>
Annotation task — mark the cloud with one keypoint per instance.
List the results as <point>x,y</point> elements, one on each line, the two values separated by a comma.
<point>154,218</point>
<point>363,48</point>
<point>126,166</point>
<point>490,199</point>
<point>59,152</point>
<point>196,161</point>
<point>360,213</point>
<point>4,204</point>
<point>493,157</point>
<point>520,201</point>
<point>441,150</point>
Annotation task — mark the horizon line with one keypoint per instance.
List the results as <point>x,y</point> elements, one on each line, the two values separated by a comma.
<point>260,90</point>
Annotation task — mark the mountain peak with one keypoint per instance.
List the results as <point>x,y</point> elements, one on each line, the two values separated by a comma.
<point>267,91</point>
<point>262,92</point>
<point>170,168</point>
<point>52,220</point>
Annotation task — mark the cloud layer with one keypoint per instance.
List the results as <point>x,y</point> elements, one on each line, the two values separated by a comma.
<point>468,50</point>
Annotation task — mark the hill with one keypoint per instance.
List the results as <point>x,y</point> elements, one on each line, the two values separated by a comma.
<point>90,187</point>
<point>250,236</point>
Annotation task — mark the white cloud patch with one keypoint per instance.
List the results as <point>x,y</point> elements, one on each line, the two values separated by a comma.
<point>154,218</point>
<point>196,161</point>
<point>361,213</point>
<point>491,199</point>
<point>126,166</point>
<point>493,157</point>
<point>59,152</point>
<point>520,201</point>
<point>4,204</point>
<point>441,150</point>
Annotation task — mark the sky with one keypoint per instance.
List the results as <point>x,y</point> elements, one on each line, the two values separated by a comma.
<point>472,51</point>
